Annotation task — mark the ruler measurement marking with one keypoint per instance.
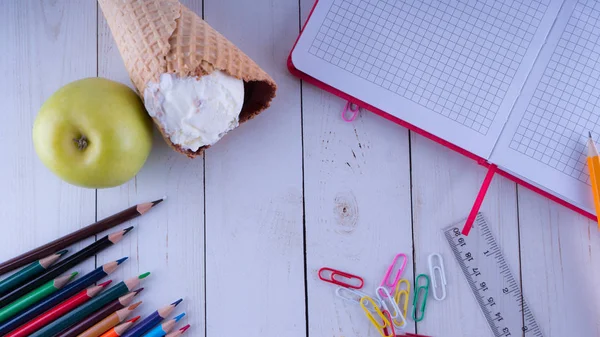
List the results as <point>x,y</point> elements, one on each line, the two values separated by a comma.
<point>485,281</point>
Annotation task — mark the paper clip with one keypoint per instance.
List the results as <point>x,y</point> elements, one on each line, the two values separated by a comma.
<point>416,298</point>
<point>388,304</point>
<point>352,295</point>
<point>398,295</point>
<point>440,269</point>
<point>349,277</point>
<point>384,321</point>
<point>386,279</point>
<point>354,109</point>
<point>386,332</point>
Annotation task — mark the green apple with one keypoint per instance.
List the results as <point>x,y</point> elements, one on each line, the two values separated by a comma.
<point>93,133</point>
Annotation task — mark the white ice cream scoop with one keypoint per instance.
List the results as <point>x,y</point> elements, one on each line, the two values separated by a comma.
<point>195,112</point>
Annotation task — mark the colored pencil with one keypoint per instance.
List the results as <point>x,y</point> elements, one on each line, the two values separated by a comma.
<point>151,321</point>
<point>34,296</point>
<point>179,332</point>
<point>593,161</point>
<point>109,322</point>
<point>59,296</point>
<point>120,329</point>
<point>163,329</point>
<point>65,241</point>
<point>29,272</point>
<point>99,315</point>
<point>59,310</point>
<point>71,318</point>
<point>65,265</point>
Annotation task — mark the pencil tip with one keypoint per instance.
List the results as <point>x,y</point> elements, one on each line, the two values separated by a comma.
<point>134,319</point>
<point>127,230</point>
<point>185,328</point>
<point>144,275</point>
<point>156,202</point>
<point>179,317</point>
<point>105,283</point>
<point>73,274</point>
<point>121,260</point>
<point>62,252</point>
<point>176,303</point>
<point>590,134</point>
<point>138,291</point>
<point>134,305</point>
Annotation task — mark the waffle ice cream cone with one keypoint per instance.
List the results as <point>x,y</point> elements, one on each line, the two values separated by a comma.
<point>164,36</point>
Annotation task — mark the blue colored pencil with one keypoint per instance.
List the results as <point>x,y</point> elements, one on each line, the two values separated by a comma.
<point>151,321</point>
<point>163,329</point>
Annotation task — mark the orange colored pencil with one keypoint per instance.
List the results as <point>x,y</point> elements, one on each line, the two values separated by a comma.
<point>593,161</point>
<point>120,329</point>
<point>109,322</point>
<point>59,310</point>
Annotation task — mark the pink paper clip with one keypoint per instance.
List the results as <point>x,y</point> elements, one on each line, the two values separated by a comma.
<point>354,109</point>
<point>351,281</point>
<point>386,279</point>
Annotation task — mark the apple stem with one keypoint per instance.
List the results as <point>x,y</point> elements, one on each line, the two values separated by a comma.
<point>81,142</point>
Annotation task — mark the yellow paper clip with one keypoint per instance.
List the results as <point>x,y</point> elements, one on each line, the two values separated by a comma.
<point>368,305</point>
<point>398,296</point>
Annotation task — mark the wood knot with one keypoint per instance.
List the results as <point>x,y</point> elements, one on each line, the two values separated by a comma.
<point>346,212</point>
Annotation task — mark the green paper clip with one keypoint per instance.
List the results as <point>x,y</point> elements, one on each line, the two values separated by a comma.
<point>418,289</point>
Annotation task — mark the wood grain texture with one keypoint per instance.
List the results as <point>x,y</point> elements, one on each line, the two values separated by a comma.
<point>231,234</point>
<point>357,177</point>
<point>444,187</point>
<point>39,47</point>
<point>254,243</point>
<point>167,241</point>
<point>560,253</point>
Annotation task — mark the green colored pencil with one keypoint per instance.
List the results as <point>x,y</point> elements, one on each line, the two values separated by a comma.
<point>36,295</point>
<point>29,272</point>
<point>86,309</point>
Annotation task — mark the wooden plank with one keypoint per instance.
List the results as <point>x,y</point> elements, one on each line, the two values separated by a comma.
<point>39,44</point>
<point>168,241</point>
<point>254,245</point>
<point>560,252</point>
<point>358,207</point>
<point>444,187</point>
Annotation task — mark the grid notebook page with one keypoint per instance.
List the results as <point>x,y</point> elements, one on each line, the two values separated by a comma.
<point>545,138</point>
<point>452,68</point>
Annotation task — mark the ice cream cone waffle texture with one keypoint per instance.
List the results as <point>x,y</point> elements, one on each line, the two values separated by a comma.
<point>164,36</point>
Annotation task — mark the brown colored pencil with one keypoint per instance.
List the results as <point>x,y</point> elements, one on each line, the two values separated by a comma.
<point>65,241</point>
<point>109,322</point>
<point>101,314</point>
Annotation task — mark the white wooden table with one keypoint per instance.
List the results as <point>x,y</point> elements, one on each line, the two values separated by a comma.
<point>246,227</point>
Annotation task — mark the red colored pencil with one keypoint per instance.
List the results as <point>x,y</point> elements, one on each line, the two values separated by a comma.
<point>59,310</point>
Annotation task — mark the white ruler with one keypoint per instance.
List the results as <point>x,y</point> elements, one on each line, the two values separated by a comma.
<point>494,286</point>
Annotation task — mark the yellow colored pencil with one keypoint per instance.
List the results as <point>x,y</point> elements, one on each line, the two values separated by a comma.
<point>593,161</point>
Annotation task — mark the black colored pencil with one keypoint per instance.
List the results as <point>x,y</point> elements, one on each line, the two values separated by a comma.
<point>67,240</point>
<point>63,266</point>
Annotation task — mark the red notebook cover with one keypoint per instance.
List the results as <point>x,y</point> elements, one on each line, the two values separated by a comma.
<point>493,169</point>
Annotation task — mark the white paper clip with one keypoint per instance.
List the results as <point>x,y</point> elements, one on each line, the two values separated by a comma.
<point>354,296</point>
<point>442,275</point>
<point>395,311</point>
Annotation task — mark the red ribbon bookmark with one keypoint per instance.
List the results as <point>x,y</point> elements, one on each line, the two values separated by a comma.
<point>479,200</point>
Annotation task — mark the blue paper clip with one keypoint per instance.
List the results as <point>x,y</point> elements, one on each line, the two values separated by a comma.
<point>418,289</point>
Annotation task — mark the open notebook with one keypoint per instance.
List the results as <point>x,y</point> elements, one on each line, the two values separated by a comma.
<point>515,82</point>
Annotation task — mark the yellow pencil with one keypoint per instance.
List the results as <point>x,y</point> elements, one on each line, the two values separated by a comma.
<point>593,161</point>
